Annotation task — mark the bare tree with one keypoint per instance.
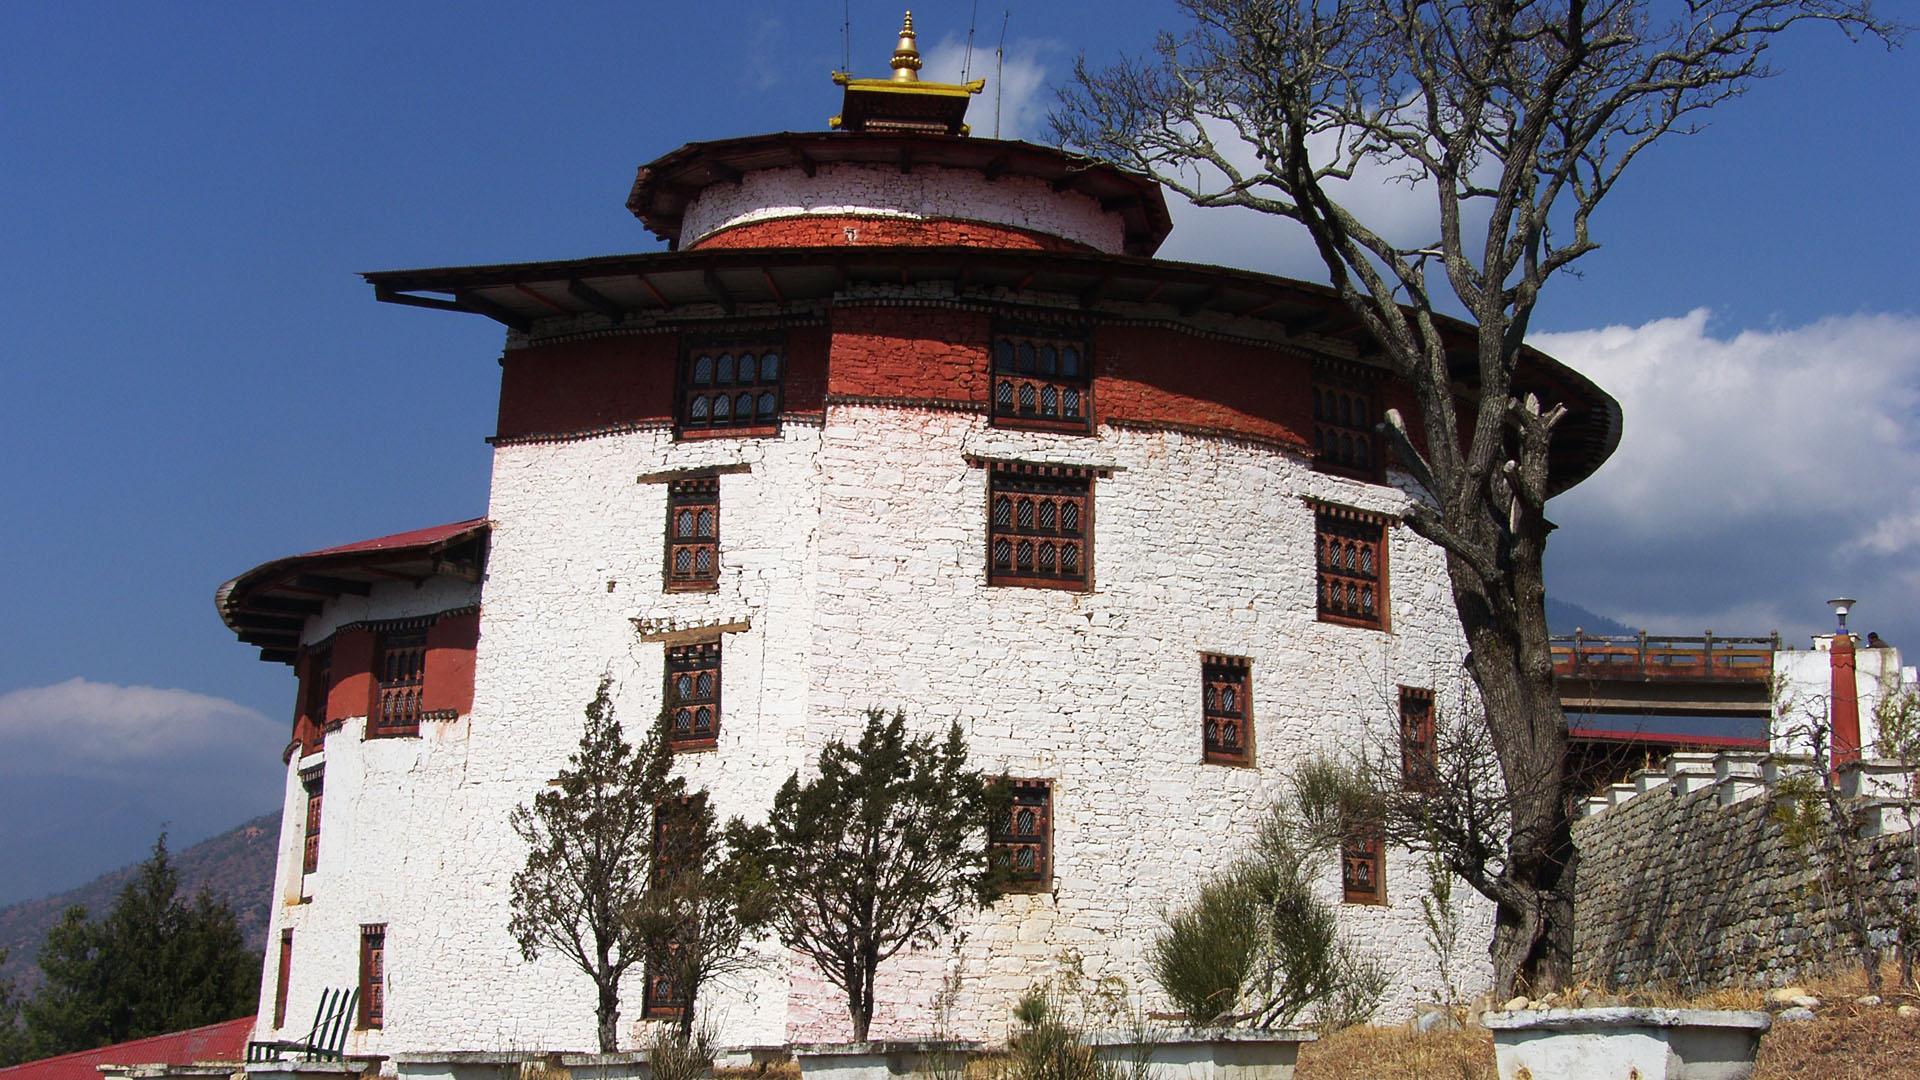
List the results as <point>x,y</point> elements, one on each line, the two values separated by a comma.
<point>1520,117</point>
<point>590,855</point>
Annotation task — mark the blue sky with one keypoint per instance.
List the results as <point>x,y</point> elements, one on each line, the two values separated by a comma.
<point>193,380</point>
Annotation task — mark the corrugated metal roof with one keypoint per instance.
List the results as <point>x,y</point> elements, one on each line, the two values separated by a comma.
<point>222,1043</point>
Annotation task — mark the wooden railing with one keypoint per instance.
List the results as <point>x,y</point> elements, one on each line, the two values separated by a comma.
<point>1664,657</point>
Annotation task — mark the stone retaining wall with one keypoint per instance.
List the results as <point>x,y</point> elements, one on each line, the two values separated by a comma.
<point>1694,877</point>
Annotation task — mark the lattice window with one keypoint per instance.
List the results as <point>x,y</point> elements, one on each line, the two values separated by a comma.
<point>400,666</point>
<point>693,534</point>
<point>732,387</point>
<point>314,781</point>
<point>1226,708</point>
<point>1042,381</point>
<point>1352,557</point>
<point>1343,419</point>
<point>1419,769</point>
<point>373,975</point>
<point>1021,842</point>
<point>1039,521</point>
<point>693,695</point>
<point>283,978</point>
<point>313,694</point>
<point>677,849</point>
<point>1363,878</point>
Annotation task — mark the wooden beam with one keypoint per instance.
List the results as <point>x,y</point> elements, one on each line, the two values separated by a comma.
<point>480,305</point>
<point>285,606</point>
<point>1096,292</point>
<point>719,290</point>
<point>253,620</point>
<point>1114,204</point>
<point>906,157</point>
<point>996,168</point>
<point>595,299</point>
<point>806,162</point>
<point>1307,324</point>
<point>328,586</point>
<point>773,286</point>
<point>387,294</point>
<point>556,305</point>
<point>725,172</point>
<point>647,284</point>
<point>1192,307</point>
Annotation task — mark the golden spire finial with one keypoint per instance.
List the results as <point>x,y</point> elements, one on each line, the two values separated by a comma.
<point>906,55</point>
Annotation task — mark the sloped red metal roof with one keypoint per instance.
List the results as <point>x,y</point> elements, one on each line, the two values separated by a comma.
<point>222,1043</point>
<point>415,538</point>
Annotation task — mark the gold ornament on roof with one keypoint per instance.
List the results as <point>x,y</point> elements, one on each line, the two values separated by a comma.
<point>906,55</point>
<point>903,103</point>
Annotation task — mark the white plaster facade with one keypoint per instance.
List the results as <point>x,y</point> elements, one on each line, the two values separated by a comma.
<point>928,192</point>
<point>1803,695</point>
<point>853,575</point>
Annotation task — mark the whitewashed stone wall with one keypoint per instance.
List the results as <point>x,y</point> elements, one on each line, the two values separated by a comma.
<point>382,797</point>
<point>852,572</point>
<point>1803,697</point>
<point>929,191</point>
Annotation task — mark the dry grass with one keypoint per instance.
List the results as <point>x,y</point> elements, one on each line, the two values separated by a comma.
<point>1396,1053</point>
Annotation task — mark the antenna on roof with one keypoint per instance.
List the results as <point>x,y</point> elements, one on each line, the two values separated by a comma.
<point>846,35</point>
<point>999,68</point>
<point>966,66</point>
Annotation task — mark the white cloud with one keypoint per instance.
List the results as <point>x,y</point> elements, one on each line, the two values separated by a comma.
<point>1807,422</point>
<point>1020,87</point>
<point>1758,473</point>
<point>84,724</point>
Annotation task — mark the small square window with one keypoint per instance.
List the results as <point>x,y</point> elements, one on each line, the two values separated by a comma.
<point>400,666</point>
<point>1021,843</point>
<point>1352,566</point>
<point>1363,878</point>
<point>730,388</point>
<point>1039,521</point>
<point>1344,439</point>
<point>1042,380</point>
<point>693,695</point>
<point>1226,709</point>
<point>1419,767</point>
<point>373,975</point>
<point>693,534</point>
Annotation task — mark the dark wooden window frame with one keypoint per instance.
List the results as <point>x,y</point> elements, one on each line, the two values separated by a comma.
<point>1345,535</point>
<point>318,685</point>
<point>1056,490</point>
<point>695,502</point>
<point>1345,409</point>
<point>1006,839</point>
<point>1363,866</point>
<point>373,976</point>
<point>313,782</point>
<point>698,385</point>
<point>1419,765</point>
<point>284,977</point>
<point>399,680</point>
<point>660,998</point>
<point>1040,399</point>
<point>1226,709</point>
<point>692,659</point>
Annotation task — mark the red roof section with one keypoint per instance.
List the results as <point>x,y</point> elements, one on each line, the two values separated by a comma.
<point>415,538</point>
<point>224,1043</point>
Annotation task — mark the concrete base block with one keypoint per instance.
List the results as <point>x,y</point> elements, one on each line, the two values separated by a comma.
<point>1619,1044</point>
<point>882,1060</point>
<point>1210,1055</point>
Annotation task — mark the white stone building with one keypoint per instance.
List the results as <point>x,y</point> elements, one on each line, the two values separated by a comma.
<point>971,452</point>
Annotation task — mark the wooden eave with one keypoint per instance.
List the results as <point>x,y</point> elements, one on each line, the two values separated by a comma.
<point>268,606</point>
<point>663,187</point>
<point>656,284</point>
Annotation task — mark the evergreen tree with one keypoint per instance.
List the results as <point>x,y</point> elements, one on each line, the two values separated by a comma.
<point>13,1041</point>
<point>156,963</point>
<point>880,852</point>
<point>589,836</point>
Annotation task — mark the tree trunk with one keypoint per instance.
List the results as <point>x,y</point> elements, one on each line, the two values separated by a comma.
<point>860,1000</point>
<point>1511,662</point>
<point>608,1013</point>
